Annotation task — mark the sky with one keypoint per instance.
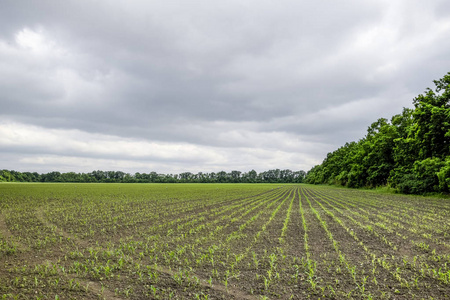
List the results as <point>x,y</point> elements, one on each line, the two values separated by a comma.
<point>204,86</point>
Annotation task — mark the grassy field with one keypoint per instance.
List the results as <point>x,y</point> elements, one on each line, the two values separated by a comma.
<point>220,241</point>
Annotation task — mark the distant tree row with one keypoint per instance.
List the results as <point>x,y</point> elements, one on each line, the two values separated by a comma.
<point>271,176</point>
<point>411,152</point>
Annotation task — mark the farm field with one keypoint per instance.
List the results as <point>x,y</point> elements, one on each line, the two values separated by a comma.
<point>220,241</point>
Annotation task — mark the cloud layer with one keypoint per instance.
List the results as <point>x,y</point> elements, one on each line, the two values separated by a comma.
<point>200,86</point>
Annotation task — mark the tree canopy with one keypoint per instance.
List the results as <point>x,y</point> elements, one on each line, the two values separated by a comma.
<point>271,176</point>
<point>411,152</point>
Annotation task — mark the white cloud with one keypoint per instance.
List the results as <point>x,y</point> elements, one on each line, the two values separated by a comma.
<point>37,43</point>
<point>84,151</point>
<point>83,143</point>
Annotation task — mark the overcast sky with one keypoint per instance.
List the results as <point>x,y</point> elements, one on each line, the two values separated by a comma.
<point>174,86</point>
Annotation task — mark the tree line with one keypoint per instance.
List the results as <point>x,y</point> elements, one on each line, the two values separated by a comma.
<point>410,153</point>
<point>271,176</point>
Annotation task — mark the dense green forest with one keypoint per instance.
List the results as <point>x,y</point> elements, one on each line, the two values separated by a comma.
<point>271,176</point>
<point>410,153</point>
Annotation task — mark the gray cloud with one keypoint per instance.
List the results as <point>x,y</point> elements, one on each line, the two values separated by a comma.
<point>275,83</point>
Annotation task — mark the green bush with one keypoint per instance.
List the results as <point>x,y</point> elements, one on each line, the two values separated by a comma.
<point>444,176</point>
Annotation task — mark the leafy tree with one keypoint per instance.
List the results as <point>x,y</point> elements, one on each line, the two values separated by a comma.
<point>235,176</point>
<point>6,175</point>
<point>54,176</point>
<point>411,153</point>
<point>378,146</point>
<point>444,176</point>
<point>277,175</point>
<point>432,120</point>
